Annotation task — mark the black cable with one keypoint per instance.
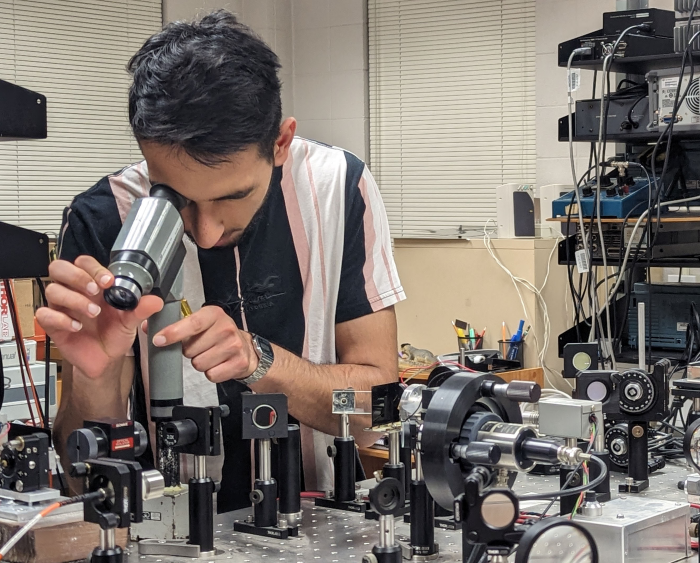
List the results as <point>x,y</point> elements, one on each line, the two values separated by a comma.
<point>576,490</point>
<point>20,351</point>
<point>574,472</point>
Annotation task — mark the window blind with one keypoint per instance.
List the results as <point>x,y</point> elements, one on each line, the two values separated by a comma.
<point>74,52</point>
<point>452,109</point>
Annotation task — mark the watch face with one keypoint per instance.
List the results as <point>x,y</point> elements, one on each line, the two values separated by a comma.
<point>581,361</point>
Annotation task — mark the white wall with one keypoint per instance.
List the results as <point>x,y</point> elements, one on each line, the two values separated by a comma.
<point>271,19</point>
<point>330,72</point>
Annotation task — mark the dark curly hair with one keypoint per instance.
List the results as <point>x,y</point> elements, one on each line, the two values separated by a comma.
<point>209,88</point>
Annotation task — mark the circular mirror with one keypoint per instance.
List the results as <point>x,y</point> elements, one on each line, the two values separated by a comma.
<point>556,541</point>
<point>498,511</point>
<point>597,391</point>
<point>581,361</point>
<point>264,417</point>
<point>691,445</point>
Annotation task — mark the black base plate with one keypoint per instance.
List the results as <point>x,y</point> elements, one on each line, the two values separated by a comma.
<point>446,524</point>
<point>338,505</point>
<point>634,487</point>
<point>271,532</point>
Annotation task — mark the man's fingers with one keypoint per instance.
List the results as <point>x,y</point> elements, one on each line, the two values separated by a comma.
<point>195,324</point>
<point>200,343</point>
<point>53,321</point>
<point>148,305</point>
<point>60,296</point>
<point>70,275</point>
<point>95,270</point>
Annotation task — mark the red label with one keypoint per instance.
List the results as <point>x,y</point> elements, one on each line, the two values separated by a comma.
<point>122,444</point>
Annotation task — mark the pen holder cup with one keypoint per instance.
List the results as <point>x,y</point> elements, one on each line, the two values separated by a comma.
<point>469,344</point>
<point>505,348</point>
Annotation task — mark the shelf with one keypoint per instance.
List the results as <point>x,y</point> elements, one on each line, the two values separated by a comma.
<point>635,65</point>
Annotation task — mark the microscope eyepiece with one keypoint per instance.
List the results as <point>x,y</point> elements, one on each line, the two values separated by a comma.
<point>125,294</point>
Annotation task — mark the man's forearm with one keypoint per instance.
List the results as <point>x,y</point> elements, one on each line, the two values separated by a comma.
<point>309,388</point>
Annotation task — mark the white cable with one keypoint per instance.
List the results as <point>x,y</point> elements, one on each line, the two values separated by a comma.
<point>541,352</point>
<point>607,348</point>
<point>634,232</point>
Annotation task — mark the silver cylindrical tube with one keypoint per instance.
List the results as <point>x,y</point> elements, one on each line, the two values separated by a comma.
<point>386,531</point>
<point>507,437</point>
<point>571,442</point>
<point>696,405</point>
<point>418,465</point>
<point>200,467</point>
<point>344,425</point>
<point>394,447</point>
<point>108,539</point>
<point>265,459</point>
<point>599,444</point>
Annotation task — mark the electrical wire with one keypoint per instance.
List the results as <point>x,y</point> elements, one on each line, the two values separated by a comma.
<point>594,435</point>
<point>541,351</point>
<point>576,490</point>
<point>87,497</point>
<point>22,351</point>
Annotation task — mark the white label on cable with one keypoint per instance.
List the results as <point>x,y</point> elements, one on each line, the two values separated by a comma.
<point>582,261</point>
<point>574,79</point>
<point>681,327</point>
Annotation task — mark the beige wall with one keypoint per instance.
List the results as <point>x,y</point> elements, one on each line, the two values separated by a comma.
<point>271,19</point>
<point>322,47</point>
<point>330,72</point>
<point>445,280</point>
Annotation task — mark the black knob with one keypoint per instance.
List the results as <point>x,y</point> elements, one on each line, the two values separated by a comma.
<point>332,451</point>
<point>256,496</point>
<point>140,439</point>
<point>84,443</point>
<point>479,453</point>
<point>224,410</point>
<point>524,391</point>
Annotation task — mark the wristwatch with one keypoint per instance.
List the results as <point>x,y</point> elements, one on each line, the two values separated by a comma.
<point>265,358</point>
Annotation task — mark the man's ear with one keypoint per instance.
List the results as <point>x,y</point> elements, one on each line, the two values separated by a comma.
<point>284,141</point>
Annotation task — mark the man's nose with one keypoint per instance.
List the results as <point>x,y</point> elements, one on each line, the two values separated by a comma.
<point>204,229</point>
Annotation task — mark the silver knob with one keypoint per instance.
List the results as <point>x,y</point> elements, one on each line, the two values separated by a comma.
<point>153,484</point>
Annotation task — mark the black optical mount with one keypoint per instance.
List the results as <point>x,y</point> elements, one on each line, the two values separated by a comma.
<point>342,452</point>
<point>387,499</point>
<point>421,518</point>
<point>643,398</point>
<point>197,431</point>
<point>265,419</point>
<point>126,485</point>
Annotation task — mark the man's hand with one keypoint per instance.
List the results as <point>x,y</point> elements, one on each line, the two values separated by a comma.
<point>90,334</point>
<point>214,343</point>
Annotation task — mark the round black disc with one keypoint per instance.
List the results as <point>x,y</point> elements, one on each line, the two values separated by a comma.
<point>455,400</point>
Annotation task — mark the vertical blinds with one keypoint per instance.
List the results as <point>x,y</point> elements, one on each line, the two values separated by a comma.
<point>452,108</point>
<point>75,53</point>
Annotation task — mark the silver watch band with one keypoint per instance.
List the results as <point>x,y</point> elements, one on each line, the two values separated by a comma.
<point>266,356</point>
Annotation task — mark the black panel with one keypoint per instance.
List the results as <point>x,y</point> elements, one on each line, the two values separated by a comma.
<point>23,113</point>
<point>23,253</point>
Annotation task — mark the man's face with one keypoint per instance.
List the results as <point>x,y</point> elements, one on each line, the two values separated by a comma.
<point>222,199</point>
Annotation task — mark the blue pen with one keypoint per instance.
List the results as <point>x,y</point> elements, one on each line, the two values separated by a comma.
<point>515,341</point>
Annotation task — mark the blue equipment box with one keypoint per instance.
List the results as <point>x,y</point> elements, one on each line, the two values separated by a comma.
<point>610,206</point>
<point>670,313</point>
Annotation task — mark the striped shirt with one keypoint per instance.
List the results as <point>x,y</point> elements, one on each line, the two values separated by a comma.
<point>317,253</point>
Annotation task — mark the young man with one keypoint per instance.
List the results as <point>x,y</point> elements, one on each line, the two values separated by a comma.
<point>288,243</point>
